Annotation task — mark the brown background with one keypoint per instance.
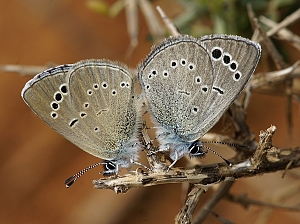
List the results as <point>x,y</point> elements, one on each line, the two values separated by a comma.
<point>35,160</point>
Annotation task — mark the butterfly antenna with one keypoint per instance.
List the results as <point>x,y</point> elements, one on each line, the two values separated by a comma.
<point>71,180</point>
<point>227,143</point>
<point>226,161</point>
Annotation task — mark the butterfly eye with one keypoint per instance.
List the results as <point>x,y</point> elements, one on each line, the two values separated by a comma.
<point>195,149</point>
<point>110,168</point>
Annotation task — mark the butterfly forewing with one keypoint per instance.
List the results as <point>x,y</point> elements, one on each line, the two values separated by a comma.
<point>47,94</point>
<point>234,60</point>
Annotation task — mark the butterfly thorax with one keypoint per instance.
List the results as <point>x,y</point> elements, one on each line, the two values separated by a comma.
<point>172,142</point>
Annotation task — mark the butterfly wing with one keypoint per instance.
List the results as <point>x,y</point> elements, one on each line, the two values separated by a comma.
<point>189,83</point>
<point>107,108</point>
<point>234,60</point>
<point>175,73</point>
<point>65,104</point>
<point>47,94</point>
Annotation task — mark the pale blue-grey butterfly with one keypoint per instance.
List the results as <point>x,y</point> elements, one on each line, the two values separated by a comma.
<point>189,83</point>
<point>93,104</point>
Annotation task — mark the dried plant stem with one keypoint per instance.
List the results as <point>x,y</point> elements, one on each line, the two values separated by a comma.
<point>187,210</point>
<point>266,159</point>
<point>284,23</point>
<point>173,29</point>
<point>246,202</point>
<point>23,69</point>
<point>208,207</point>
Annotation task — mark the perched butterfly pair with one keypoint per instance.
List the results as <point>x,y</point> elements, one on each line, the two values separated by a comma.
<point>187,85</point>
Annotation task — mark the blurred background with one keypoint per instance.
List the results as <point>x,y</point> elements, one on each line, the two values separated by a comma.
<point>35,160</point>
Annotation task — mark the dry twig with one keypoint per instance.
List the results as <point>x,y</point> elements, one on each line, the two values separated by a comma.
<point>265,159</point>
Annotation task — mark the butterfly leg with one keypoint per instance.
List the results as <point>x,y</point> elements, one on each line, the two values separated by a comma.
<point>139,164</point>
<point>175,160</point>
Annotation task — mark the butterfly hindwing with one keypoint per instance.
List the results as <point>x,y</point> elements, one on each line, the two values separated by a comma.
<point>104,99</point>
<point>175,73</point>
